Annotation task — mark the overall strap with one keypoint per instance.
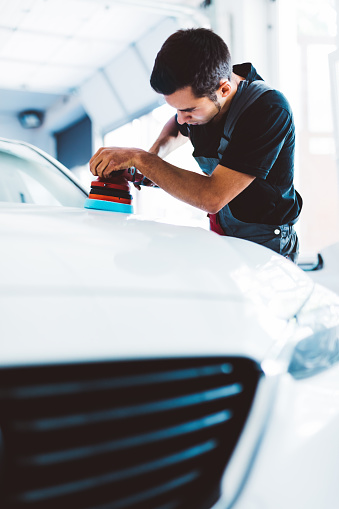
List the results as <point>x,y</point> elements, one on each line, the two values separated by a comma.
<point>246,95</point>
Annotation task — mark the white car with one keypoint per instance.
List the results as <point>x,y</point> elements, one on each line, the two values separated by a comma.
<point>151,366</point>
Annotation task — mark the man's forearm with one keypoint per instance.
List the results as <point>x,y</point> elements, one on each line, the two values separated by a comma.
<point>190,187</point>
<point>169,139</point>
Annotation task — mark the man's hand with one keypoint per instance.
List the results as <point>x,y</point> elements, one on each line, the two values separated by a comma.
<point>109,159</point>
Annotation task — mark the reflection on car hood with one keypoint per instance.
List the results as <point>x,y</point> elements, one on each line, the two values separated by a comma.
<point>85,284</point>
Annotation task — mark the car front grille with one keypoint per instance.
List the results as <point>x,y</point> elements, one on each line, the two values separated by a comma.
<point>121,435</point>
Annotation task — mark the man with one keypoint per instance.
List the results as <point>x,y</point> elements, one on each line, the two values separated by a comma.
<point>242,132</point>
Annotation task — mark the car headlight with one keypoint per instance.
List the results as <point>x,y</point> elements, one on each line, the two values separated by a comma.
<point>315,353</point>
<point>316,344</point>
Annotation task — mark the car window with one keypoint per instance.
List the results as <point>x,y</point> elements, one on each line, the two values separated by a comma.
<point>27,177</point>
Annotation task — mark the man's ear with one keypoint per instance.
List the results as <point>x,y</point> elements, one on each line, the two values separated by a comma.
<point>225,87</point>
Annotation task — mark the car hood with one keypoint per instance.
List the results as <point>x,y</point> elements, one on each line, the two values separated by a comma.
<point>80,284</point>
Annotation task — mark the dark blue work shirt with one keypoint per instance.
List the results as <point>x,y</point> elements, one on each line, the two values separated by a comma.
<point>262,145</point>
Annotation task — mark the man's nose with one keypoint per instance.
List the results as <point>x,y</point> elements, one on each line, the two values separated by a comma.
<point>183,117</point>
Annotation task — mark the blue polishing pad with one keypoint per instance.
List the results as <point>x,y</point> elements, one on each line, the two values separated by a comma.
<point>108,205</point>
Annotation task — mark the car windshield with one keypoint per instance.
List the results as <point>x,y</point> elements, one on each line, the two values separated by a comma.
<point>28,177</point>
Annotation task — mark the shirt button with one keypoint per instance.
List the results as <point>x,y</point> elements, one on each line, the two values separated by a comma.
<point>277,231</point>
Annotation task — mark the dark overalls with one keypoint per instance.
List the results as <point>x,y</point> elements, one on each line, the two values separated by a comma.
<point>281,238</point>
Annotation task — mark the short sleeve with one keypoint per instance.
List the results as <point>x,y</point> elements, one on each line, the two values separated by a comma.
<point>258,138</point>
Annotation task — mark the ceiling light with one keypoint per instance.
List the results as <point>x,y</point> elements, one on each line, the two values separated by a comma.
<point>31,119</point>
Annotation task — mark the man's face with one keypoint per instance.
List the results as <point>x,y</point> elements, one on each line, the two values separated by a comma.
<point>194,110</point>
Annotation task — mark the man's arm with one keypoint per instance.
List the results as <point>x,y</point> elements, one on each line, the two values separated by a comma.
<point>201,191</point>
<point>169,139</point>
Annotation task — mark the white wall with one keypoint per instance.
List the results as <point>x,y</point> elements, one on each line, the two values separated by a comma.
<point>64,112</point>
<point>249,27</point>
<point>10,128</point>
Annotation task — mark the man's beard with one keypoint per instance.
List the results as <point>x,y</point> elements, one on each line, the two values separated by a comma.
<point>215,101</point>
<point>217,104</point>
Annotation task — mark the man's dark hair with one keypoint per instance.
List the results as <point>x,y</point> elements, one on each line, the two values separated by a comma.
<point>195,57</point>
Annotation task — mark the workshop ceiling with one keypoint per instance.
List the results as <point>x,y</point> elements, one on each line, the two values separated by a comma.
<point>54,46</point>
<point>71,57</point>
